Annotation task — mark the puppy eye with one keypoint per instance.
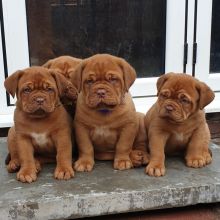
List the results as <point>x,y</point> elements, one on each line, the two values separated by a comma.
<point>113,80</point>
<point>184,101</point>
<point>49,89</point>
<point>90,81</point>
<point>27,90</point>
<point>163,95</point>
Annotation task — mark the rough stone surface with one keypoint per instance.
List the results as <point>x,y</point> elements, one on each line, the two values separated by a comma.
<point>107,191</point>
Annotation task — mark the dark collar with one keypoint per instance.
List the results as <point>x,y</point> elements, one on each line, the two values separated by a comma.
<point>104,111</point>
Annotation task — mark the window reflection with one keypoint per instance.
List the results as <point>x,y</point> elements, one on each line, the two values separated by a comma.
<point>134,30</point>
<point>215,38</point>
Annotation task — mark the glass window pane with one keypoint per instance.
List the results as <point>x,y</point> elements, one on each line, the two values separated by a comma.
<point>134,30</point>
<point>215,38</point>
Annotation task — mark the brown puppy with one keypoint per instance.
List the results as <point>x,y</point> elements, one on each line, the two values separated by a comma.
<point>64,65</point>
<point>42,127</point>
<point>105,122</point>
<point>176,122</point>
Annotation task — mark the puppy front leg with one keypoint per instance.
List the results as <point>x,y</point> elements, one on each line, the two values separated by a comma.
<point>14,163</point>
<point>64,169</point>
<point>156,166</point>
<point>85,161</point>
<point>197,153</point>
<point>28,171</point>
<point>124,145</point>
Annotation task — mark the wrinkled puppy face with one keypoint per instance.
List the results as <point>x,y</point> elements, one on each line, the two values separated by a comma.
<point>104,80</point>
<point>180,96</point>
<point>38,90</point>
<point>103,84</point>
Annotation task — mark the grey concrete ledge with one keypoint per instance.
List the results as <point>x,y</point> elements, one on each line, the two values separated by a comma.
<point>107,191</point>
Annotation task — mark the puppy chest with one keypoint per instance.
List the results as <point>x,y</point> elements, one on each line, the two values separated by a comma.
<point>103,136</point>
<point>178,137</point>
<point>177,142</point>
<point>41,140</point>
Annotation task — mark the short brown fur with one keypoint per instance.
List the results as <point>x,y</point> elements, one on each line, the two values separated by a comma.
<point>42,127</point>
<point>176,122</point>
<point>106,122</point>
<point>65,65</point>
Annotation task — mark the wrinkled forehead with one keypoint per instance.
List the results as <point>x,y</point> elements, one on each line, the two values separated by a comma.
<point>181,86</point>
<point>102,68</point>
<point>37,79</point>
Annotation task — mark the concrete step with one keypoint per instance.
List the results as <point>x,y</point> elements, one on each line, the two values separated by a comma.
<point>107,191</point>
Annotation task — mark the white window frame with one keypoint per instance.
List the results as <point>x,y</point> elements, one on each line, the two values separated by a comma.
<point>143,90</point>
<point>175,21</point>
<point>204,25</point>
<point>16,42</point>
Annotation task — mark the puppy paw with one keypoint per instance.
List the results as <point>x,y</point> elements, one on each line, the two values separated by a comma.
<point>83,165</point>
<point>139,158</point>
<point>122,164</point>
<point>208,156</point>
<point>199,161</point>
<point>27,175</point>
<point>63,173</point>
<point>13,166</point>
<point>195,162</point>
<point>155,169</point>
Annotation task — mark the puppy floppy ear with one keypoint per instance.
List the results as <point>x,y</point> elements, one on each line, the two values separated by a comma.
<point>129,73</point>
<point>76,75</point>
<point>11,83</point>
<point>65,88</point>
<point>161,80</point>
<point>206,95</point>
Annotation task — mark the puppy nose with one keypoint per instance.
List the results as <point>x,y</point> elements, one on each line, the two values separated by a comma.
<point>169,108</point>
<point>39,100</point>
<point>101,92</point>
